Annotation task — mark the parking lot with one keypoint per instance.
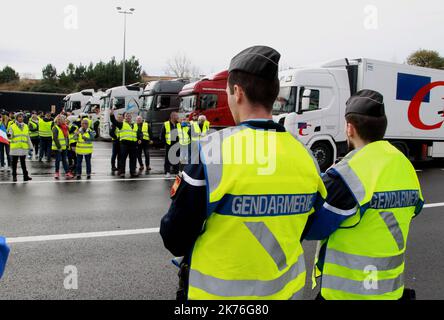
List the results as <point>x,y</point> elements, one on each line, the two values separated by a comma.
<point>108,229</point>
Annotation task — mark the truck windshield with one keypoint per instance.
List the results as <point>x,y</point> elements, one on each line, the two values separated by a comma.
<point>286,101</point>
<point>147,102</point>
<point>104,103</point>
<point>188,103</point>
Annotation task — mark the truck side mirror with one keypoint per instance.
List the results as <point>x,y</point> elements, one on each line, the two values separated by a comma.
<point>305,102</point>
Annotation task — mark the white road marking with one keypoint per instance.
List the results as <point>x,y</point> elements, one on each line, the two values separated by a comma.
<point>434,205</point>
<point>157,178</point>
<point>89,235</point>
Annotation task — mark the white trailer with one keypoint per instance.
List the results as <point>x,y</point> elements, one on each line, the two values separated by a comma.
<point>125,99</point>
<point>311,105</point>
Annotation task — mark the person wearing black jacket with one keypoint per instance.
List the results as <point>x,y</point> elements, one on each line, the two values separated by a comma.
<point>173,139</point>
<point>143,143</point>
<point>114,133</point>
<point>128,147</point>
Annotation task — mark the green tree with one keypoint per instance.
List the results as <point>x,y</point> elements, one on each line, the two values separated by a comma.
<point>426,58</point>
<point>8,74</point>
<point>49,73</point>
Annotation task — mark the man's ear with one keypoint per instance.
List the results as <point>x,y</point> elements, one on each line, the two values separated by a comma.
<point>238,94</point>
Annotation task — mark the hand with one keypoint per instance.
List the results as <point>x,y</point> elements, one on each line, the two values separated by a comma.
<point>139,142</point>
<point>151,142</point>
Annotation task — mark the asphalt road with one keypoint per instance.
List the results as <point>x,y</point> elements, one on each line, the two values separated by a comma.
<point>106,229</point>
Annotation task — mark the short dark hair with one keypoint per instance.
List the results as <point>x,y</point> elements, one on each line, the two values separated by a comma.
<point>258,90</point>
<point>370,129</point>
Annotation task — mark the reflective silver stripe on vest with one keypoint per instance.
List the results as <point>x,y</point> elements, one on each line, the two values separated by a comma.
<point>245,288</point>
<point>393,225</point>
<point>352,180</point>
<point>212,154</point>
<point>359,287</point>
<point>269,242</point>
<point>357,262</point>
<point>298,295</point>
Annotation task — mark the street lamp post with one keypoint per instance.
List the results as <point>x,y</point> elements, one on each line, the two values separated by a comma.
<point>125,13</point>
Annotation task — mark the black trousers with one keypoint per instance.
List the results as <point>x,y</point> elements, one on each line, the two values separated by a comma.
<point>15,160</point>
<point>125,151</point>
<point>35,144</point>
<point>72,158</point>
<point>144,149</point>
<point>115,154</point>
<point>168,166</point>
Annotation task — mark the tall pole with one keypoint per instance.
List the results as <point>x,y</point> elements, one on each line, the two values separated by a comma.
<point>124,50</point>
<point>125,13</point>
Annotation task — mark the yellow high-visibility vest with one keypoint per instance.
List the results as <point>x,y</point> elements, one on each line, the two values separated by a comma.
<point>127,133</point>
<point>183,133</point>
<point>364,259</point>
<point>250,246</point>
<point>61,138</point>
<point>45,128</point>
<point>20,137</point>
<point>145,131</point>
<point>83,147</point>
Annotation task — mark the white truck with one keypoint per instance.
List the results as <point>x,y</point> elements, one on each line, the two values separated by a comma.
<point>76,102</point>
<point>91,107</point>
<point>312,101</point>
<point>123,99</point>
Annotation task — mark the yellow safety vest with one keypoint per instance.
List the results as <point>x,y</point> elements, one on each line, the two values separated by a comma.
<point>364,259</point>
<point>61,138</point>
<point>250,247</point>
<point>184,137</point>
<point>45,128</point>
<point>72,139</point>
<point>83,147</point>
<point>19,139</point>
<point>34,126</point>
<point>168,132</point>
<point>197,133</point>
<point>117,133</point>
<point>146,134</point>
<point>127,133</point>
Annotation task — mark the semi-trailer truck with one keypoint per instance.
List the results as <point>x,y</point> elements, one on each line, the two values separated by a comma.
<point>76,102</point>
<point>91,108</point>
<point>122,99</point>
<point>159,100</point>
<point>208,97</point>
<point>312,101</point>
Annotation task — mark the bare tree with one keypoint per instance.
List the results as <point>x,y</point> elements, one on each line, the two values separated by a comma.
<point>182,67</point>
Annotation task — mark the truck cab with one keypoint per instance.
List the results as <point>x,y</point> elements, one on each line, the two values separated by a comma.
<point>75,102</point>
<point>92,109</point>
<point>312,101</point>
<point>158,101</point>
<point>123,99</point>
<point>208,97</point>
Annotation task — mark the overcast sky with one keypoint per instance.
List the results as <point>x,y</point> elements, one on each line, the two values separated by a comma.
<point>209,32</point>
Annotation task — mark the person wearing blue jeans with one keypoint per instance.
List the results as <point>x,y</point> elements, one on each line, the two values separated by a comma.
<point>84,148</point>
<point>88,165</point>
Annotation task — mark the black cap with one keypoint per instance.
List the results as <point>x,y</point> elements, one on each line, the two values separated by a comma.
<point>366,102</point>
<point>261,61</point>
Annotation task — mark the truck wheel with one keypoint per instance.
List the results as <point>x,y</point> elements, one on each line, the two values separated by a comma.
<point>323,154</point>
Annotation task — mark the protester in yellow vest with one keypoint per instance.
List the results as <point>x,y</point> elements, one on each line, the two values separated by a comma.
<point>45,134</point>
<point>144,141</point>
<point>169,137</point>
<point>72,143</point>
<point>242,211</point>
<point>60,137</point>
<point>84,148</point>
<point>33,125</point>
<point>200,128</point>
<point>373,194</point>
<point>20,144</point>
<point>128,143</point>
